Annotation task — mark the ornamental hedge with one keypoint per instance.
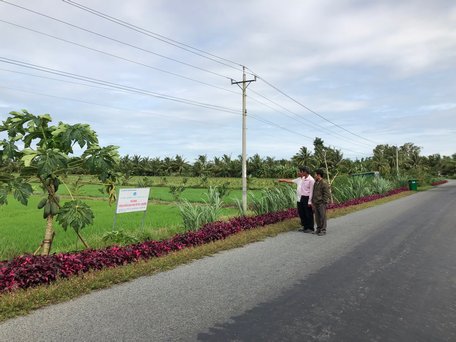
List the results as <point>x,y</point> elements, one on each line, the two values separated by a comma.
<point>439,182</point>
<point>28,271</point>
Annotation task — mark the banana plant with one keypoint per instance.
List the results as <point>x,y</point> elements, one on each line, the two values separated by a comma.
<point>46,154</point>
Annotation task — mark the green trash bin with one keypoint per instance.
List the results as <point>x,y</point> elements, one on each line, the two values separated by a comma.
<point>413,184</point>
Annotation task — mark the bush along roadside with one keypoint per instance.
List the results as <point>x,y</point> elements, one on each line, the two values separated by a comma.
<point>365,199</point>
<point>28,271</point>
<point>439,182</point>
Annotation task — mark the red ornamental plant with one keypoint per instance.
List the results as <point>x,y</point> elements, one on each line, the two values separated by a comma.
<point>28,271</point>
<point>365,199</point>
<point>439,182</point>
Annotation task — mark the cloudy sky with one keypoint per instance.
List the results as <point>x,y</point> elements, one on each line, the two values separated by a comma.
<point>354,73</point>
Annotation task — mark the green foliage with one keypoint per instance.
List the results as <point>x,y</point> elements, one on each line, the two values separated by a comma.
<point>145,182</point>
<point>21,190</point>
<point>196,215</point>
<point>353,187</point>
<point>119,237</point>
<point>75,214</point>
<point>76,186</point>
<point>176,191</point>
<point>192,215</point>
<point>46,154</point>
<point>213,203</point>
<point>274,199</point>
<point>381,185</point>
<point>239,207</point>
<point>101,160</point>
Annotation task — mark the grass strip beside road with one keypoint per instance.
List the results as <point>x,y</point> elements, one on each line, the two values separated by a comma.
<point>22,302</point>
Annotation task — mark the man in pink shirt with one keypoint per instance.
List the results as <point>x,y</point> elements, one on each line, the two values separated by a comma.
<point>307,185</point>
<point>304,191</point>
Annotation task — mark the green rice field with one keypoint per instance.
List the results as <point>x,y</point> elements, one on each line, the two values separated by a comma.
<point>22,227</point>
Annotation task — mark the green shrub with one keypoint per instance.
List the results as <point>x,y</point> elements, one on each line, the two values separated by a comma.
<point>196,215</point>
<point>119,237</point>
<point>274,199</point>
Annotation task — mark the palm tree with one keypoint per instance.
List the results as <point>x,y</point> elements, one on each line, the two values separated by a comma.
<point>255,166</point>
<point>179,165</point>
<point>302,158</point>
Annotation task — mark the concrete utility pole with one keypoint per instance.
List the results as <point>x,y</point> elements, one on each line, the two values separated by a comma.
<point>243,85</point>
<point>397,162</point>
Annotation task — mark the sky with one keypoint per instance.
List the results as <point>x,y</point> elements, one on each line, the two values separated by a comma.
<point>159,84</point>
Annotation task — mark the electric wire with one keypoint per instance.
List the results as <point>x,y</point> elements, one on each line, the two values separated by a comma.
<point>116,85</point>
<point>105,88</point>
<point>142,91</point>
<point>300,134</point>
<point>116,40</point>
<point>178,75</point>
<point>299,118</point>
<point>57,79</point>
<point>310,110</point>
<point>157,36</point>
<point>101,105</point>
<point>118,57</point>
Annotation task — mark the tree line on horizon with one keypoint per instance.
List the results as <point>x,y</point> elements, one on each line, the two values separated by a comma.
<point>410,163</point>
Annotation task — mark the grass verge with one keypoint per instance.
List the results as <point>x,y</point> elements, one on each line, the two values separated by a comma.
<point>22,302</point>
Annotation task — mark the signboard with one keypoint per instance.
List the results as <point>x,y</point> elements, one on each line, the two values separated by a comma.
<point>131,200</point>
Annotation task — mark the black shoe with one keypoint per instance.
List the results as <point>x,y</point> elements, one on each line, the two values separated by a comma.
<point>309,231</point>
<point>301,229</point>
<point>321,233</point>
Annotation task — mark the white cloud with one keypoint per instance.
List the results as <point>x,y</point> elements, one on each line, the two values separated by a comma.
<point>440,106</point>
<point>372,67</point>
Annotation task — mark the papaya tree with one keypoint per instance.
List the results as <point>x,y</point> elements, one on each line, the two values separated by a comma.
<point>45,153</point>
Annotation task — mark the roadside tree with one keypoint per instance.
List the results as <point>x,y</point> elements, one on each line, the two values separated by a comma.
<point>45,152</point>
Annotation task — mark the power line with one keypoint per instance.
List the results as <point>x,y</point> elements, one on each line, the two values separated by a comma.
<point>103,105</point>
<point>278,126</point>
<point>116,56</point>
<point>55,79</point>
<point>297,133</point>
<point>157,36</point>
<point>297,117</point>
<point>131,89</point>
<point>116,85</point>
<point>310,110</point>
<point>116,40</point>
<point>96,103</point>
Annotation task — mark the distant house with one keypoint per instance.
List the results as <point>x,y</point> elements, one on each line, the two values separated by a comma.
<point>374,174</point>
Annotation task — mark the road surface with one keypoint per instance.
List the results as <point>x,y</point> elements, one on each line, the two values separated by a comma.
<point>387,273</point>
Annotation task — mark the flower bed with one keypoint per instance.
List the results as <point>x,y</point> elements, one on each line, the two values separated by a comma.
<point>365,199</point>
<point>28,271</point>
<point>439,182</point>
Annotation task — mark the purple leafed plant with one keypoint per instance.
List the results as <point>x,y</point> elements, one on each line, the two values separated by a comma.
<point>439,182</point>
<point>27,271</point>
<point>365,199</point>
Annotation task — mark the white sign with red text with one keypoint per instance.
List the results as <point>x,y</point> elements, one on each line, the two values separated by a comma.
<point>132,200</point>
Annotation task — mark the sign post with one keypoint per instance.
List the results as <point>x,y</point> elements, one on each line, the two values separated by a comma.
<point>132,200</point>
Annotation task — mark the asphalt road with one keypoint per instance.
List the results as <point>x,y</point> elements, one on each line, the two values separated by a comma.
<point>386,273</point>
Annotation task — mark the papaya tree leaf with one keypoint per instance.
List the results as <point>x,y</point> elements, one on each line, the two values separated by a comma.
<point>21,190</point>
<point>4,190</point>
<point>75,214</point>
<point>50,161</point>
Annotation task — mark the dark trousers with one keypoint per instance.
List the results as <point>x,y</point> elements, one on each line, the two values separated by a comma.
<point>320,217</point>
<point>305,213</point>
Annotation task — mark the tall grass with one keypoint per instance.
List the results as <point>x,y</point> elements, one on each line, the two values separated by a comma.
<point>196,215</point>
<point>274,199</point>
<point>381,185</point>
<point>355,187</point>
<point>22,227</point>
